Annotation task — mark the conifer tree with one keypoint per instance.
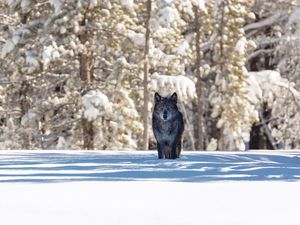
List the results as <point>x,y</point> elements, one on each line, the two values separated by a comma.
<point>229,98</point>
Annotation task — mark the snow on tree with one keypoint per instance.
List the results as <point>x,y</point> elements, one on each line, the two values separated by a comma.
<point>287,51</point>
<point>267,31</point>
<point>229,99</point>
<point>94,103</point>
<point>71,72</point>
<point>274,92</point>
<point>275,33</point>
<point>47,45</point>
<point>181,84</point>
<point>171,58</point>
<point>10,136</point>
<point>287,54</point>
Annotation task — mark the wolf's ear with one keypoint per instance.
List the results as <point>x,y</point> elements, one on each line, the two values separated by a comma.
<point>157,97</point>
<point>174,97</point>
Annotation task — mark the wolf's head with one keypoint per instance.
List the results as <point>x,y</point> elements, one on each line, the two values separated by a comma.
<point>165,108</point>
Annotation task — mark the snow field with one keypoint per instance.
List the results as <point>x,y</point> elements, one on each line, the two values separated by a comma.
<point>130,203</point>
<point>135,188</point>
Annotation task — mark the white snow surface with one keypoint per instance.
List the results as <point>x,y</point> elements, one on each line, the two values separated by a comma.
<point>134,188</point>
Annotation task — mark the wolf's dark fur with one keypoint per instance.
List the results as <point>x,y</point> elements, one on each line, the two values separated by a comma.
<point>167,123</point>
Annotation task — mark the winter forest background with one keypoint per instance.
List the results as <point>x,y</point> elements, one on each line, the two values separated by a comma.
<point>81,74</point>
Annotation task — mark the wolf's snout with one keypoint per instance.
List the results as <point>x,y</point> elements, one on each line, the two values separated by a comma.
<point>165,115</point>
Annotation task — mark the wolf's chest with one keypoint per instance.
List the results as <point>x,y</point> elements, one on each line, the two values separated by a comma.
<point>165,132</point>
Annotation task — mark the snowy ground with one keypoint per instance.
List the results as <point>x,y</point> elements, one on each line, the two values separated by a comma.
<point>134,188</point>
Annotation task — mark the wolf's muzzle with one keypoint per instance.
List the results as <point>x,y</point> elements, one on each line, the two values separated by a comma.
<point>165,115</point>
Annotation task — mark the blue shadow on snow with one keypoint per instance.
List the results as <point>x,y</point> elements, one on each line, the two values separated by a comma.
<point>41,167</point>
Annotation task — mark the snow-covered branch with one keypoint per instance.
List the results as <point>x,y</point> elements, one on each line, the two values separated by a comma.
<point>258,52</point>
<point>274,18</point>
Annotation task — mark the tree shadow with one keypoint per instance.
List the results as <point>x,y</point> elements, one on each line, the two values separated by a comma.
<point>67,166</point>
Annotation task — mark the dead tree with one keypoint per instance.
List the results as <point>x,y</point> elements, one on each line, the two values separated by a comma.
<point>86,75</point>
<point>199,86</point>
<point>145,82</point>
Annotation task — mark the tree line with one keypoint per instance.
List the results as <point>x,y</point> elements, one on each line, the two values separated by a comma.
<point>81,74</point>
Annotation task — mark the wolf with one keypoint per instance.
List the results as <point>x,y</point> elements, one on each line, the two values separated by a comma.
<point>168,126</point>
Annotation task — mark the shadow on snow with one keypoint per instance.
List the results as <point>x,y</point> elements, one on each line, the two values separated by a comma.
<point>50,166</point>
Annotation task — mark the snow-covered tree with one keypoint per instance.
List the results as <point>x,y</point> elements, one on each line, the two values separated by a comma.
<point>72,72</point>
<point>58,48</point>
<point>276,36</point>
<point>229,99</point>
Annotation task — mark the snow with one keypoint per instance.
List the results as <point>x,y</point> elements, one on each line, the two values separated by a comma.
<point>137,38</point>
<point>182,49</point>
<point>127,4</point>
<point>28,117</point>
<point>61,143</point>
<point>107,187</point>
<point>94,101</point>
<point>31,59</point>
<point>168,15</point>
<point>264,22</point>
<point>181,84</point>
<point>253,88</point>
<point>10,44</point>
<point>93,3</point>
<point>57,4</point>
<point>50,53</point>
<point>13,3</point>
<point>25,5</point>
<point>7,48</point>
<point>241,46</point>
<point>200,4</point>
<point>187,8</point>
<point>294,17</point>
<point>213,145</point>
<point>266,84</point>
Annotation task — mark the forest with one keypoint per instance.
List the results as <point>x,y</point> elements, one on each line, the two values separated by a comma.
<point>81,74</point>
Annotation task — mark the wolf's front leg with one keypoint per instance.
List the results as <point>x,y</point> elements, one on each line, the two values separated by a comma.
<point>174,151</point>
<point>160,151</point>
<point>178,148</point>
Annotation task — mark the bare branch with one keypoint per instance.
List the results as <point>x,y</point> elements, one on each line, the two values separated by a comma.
<point>260,51</point>
<point>276,18</point>
<point>267,131</point>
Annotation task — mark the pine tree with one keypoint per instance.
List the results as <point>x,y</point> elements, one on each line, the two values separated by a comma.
<point>229,98</point>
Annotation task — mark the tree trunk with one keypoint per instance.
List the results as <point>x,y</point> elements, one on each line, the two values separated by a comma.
<point>145,83</point>
<point>85,69</point>
<point>188,126</point>
<point>86,75</point>
<point>25,106</point>
<point>88,133</point>
<point>222,143</point>
<point>261,135</point>
<point>199,86</point>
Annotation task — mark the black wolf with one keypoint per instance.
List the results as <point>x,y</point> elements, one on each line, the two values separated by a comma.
<point>167,123</point>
